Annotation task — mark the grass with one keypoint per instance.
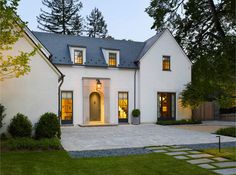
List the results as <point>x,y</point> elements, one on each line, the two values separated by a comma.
<point>229,153</point>
<point>231,131</point>
<point>59,162</point>
<point>178,122</point>
<point>30,144</point>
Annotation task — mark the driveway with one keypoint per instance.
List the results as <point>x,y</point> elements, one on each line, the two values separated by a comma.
<point>130,136</point>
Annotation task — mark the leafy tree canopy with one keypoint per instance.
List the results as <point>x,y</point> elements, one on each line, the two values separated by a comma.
<point>206,29</point>
<point>11,30</point>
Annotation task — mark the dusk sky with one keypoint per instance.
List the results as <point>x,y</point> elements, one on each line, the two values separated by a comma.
<point>126,19</point>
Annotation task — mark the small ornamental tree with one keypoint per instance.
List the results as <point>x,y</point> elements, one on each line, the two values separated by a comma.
<point>20,126</point>
<point>11,30</point>
<point>2,114</point>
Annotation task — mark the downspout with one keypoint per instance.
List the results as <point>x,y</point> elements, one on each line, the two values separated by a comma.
<point>61,80</point>
<point>135,72</point>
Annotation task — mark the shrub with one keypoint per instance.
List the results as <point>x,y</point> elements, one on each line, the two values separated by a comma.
<point>20,126</point>
<point>231,131</point>
<point>136,113</point>
<point>48,126</point>
<point>3,136</point>
<point>26,143</point>
<point>178,122</point>
<point>2,114</point>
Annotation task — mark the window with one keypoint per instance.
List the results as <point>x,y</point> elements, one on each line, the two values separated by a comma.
<point>112,59</point>
<point>123,103</point>
<point>66,107</point>
<point>166,105</point>
<point>166,63</point>
<point>78,57</point>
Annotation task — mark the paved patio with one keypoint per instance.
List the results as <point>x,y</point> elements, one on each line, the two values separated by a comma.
<point>130,136</point>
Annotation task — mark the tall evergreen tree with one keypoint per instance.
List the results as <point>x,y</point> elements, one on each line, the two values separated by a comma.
<point>63,17</point>
<point>206,29</point>
<point>96,26</point>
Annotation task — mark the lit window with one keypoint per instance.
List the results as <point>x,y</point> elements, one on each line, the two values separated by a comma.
<point>166,63</point>
<point>112,59</point>
<point>66,107</point>
<point>123,106</point>
<point>78,56</point>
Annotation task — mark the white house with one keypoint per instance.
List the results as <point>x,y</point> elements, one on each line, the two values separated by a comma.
<point>106,79</point>
<point>35,93</point>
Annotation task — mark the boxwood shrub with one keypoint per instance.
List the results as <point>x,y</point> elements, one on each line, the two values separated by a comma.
<point>231,131</point>
<point>178,122</point>
<point>20,126</point>
<point>136,113</point>
<point>48,126</point>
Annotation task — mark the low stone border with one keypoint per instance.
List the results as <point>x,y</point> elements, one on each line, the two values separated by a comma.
<point>109,152</point>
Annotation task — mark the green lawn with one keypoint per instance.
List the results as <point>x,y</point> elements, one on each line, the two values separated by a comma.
<point>229,153</point>
<point>58,162</point>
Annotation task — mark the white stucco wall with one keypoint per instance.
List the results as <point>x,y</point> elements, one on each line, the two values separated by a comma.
<point>153,79</point>
<point>120,80</point>
<point>32,94</point>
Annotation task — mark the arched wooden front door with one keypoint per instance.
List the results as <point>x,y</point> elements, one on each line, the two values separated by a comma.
<point>95,106</point>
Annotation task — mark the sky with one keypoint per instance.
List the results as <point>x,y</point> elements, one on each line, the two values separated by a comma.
<point>126,19</point>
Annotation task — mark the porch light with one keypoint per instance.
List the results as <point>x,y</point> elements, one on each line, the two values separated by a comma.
<point>99,84</point>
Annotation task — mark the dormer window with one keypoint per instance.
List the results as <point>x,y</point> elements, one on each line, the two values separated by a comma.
<point>112,59</point>
<point>78,57</point>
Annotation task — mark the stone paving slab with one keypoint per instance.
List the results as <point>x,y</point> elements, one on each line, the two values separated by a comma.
<point>228,171</point>
<point>194,152</point>
<point>206,166</point>
<point>159,151</point>
<point>175,153</point>
<point>179,149</point>
<point>199,155</point>
<point>220,159</point>
<point>225,164</point>
<point>156,148</point>
<point>181,157</point>
<point>200,161</point>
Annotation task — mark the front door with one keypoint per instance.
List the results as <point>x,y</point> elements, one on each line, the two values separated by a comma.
<point>166,106</point>
<point>95,106</point>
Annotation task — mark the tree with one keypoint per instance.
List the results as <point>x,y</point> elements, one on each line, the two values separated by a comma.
<point>11,30</point>
<point>206,30</point>
<point>96,26</point>
<point>63,17</point>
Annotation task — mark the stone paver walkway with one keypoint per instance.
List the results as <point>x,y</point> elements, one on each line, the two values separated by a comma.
<point>218,165</point>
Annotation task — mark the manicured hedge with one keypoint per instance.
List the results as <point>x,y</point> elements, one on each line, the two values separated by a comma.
<point>26,143</point>
<point>178,122</point>
<point>20,126</point>
<point>231,131</point>
<point>48,126</point>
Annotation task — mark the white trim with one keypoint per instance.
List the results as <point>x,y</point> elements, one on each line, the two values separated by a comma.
<point>43,51</point>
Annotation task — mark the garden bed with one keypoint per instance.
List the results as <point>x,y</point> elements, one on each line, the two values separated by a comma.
<point>231,131</point>
<point>178,122</point>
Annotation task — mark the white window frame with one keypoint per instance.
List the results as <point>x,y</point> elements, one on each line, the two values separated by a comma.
<point>72,53</point>
<point>106,56</point>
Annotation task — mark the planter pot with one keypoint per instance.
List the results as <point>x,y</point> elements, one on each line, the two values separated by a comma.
<point>135,120</point>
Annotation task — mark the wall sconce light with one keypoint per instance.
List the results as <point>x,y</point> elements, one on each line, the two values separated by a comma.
<point>99,84</point>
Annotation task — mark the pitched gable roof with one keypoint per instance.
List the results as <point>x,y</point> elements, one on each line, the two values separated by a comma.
<point>58,46</point>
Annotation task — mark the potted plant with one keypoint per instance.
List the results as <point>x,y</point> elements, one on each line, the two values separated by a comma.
<point>136,117</point>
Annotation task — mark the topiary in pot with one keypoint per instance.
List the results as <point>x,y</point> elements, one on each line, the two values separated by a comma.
<point>20,126</point>
<point>136,117</point>
<point>48,126</point>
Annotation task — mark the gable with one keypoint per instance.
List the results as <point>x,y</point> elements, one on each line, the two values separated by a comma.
<point>165,36</point>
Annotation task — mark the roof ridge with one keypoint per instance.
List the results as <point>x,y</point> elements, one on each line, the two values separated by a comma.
<point>92,38</point>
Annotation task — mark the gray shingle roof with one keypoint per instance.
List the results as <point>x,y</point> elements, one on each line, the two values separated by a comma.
<point>58,46</point>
